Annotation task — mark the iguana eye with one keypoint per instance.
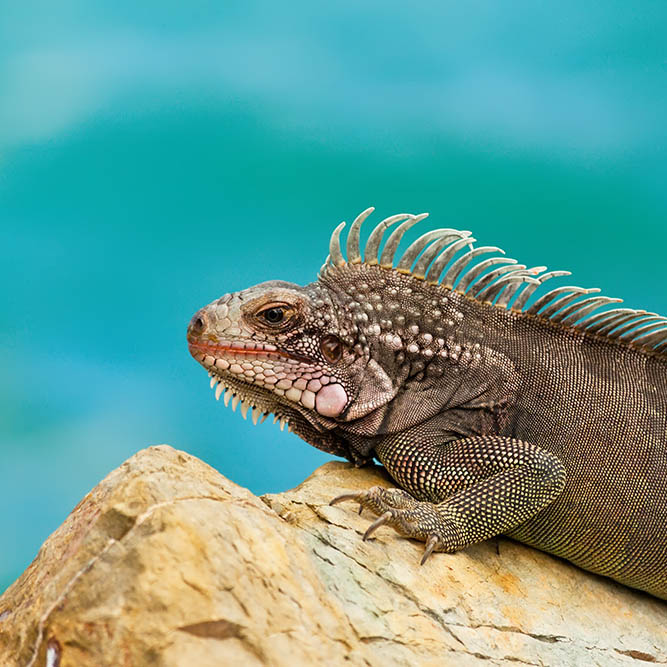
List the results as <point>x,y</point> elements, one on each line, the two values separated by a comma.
<point>274,315</point>
<point>332,349</point>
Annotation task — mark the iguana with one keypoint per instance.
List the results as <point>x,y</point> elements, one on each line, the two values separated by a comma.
<point>497,409</point>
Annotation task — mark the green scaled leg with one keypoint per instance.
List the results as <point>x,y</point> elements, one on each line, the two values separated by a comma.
<point>460,492</point>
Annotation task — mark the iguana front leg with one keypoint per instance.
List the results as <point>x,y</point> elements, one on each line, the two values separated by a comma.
<point>464,491</point>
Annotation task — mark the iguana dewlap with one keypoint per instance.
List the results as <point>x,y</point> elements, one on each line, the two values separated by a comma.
<point>496,406</point>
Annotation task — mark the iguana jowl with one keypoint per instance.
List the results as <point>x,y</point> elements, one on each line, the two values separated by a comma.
<point>545,422</point>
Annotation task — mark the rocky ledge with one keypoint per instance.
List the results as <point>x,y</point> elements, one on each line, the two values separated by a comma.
<point>167,562</point>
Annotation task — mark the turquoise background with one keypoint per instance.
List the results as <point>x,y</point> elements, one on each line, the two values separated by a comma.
<point>154,155</point>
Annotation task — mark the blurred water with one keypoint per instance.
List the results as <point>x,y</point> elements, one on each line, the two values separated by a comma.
<point>155,155</point>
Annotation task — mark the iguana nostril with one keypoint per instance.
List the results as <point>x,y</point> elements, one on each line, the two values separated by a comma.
<point>197,324</point>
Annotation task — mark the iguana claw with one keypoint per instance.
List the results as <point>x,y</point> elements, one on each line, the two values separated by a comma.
<point>380,521</point>
<point>347,496</point>
<point>431,543</point>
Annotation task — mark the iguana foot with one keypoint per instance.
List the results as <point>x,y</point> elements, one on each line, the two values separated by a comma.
<point>409,517</point>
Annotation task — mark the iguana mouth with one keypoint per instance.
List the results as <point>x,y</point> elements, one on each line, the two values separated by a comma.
<point>235,349</point>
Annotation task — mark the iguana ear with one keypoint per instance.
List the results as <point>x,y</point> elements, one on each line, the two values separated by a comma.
<point>375,390</point>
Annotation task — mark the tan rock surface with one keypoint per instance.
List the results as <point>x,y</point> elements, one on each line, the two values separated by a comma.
<point>166,562</point>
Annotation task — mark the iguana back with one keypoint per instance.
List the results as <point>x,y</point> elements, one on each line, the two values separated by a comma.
<point>496,406</point>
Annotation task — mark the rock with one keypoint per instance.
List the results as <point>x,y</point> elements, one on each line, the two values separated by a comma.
<point>166,562</point>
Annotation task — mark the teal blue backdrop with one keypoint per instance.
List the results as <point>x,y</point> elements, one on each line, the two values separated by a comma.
<point>154,155</point>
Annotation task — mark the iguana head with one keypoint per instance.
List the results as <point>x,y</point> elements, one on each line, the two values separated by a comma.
<point>287,350</point>
<point>275,343</point>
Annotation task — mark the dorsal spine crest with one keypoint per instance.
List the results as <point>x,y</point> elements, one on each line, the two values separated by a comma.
<point>508,287</point>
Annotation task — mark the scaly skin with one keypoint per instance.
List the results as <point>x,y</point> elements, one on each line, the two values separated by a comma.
<point>547,423</point>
